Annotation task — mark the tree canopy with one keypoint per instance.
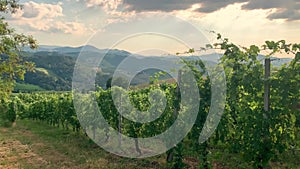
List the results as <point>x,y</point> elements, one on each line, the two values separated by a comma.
<point>11,64</point>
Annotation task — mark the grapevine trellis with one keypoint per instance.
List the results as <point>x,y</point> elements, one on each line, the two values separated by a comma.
<point>245,128</point>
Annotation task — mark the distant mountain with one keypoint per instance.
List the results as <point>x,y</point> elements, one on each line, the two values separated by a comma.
<point>55,65</point>
<point>41,48</point>
<point>276,62</point>
<point>87,48</point>
<point>66,49</point>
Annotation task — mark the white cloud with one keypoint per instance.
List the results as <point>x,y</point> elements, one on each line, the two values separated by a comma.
<point>244,27</point>
<point>70,27</point>
<point>107,5</point>
<point>45,17</point>
<point>34,11</point>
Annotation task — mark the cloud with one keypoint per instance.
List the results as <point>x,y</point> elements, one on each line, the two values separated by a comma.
<point>68,27</point>
<point>267,4</point>
<point>159,5</point>
<point>289,15</point>
<point>281,9</point>
<point>287,9</point>
<point>106,4</point>
<point>45,17</point>
<point>56,27</point>
<point>208,6</point>
<point>205,6</point>
<point>33,10</point>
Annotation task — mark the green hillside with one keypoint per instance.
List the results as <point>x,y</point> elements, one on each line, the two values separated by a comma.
<point>55,66</point>
<point>21,87</point>
<point>54,70</point>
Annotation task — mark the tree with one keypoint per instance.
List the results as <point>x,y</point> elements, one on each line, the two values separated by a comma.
<point>11,64</point>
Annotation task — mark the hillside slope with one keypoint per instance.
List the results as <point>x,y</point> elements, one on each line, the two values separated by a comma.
<point>55,66</point>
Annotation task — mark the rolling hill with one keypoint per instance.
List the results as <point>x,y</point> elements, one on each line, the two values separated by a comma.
<point>55,66</point>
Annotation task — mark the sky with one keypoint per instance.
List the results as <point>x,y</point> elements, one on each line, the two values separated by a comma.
<point>161,26</point>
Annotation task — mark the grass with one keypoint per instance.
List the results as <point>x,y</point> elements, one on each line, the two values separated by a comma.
<point>27,87</point>
<point>63,149</point>
<point>33,144</point>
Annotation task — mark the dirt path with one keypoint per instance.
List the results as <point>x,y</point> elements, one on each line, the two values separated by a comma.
<point>32,145</point>
<point>15,155</point>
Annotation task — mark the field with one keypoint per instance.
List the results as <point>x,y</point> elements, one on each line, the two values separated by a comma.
<point>37,145</point>
<point>245,114</point>
<point>32,144</point>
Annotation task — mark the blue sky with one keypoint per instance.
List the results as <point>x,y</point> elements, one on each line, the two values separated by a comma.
<point>104,23</point>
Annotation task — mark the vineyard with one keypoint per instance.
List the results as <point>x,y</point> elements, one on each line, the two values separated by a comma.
<point>230,106</point>
<point>246,129</point>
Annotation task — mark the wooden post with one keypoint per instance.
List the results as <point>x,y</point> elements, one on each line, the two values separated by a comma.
<point>120,125</point>
<point>267,84</point>
<point>170,154</point>
<point>178,92</point>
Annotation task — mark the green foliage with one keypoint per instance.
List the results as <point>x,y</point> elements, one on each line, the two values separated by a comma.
<point>258,135</point>
<point>9,6</point>
<point>12,65</point>
<point>156,77</point>
<point>245,128</point>
<point>21,87</point>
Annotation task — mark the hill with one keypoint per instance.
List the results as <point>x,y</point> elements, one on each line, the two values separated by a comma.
<point>55,66</point>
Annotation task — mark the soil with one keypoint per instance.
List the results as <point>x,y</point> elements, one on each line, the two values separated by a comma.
<point>15,155</point>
